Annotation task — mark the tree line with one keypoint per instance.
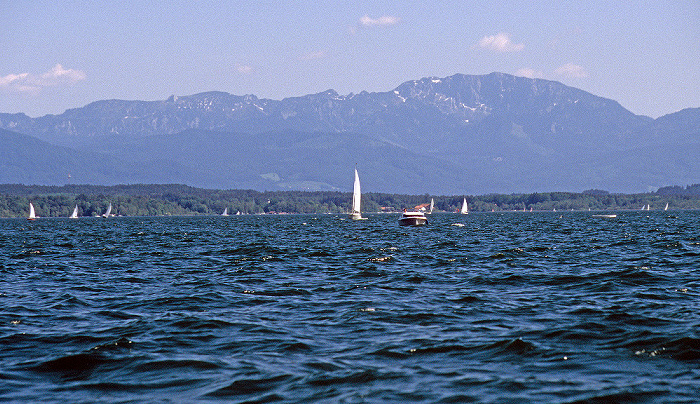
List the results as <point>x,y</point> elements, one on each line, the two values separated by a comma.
<point>174,199</point>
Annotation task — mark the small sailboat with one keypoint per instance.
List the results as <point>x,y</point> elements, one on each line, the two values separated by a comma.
<point>74,215</point>
<point>666,207</point>
<point>432,205</point>
<point>465,207</point>
<point>32,214</point>
<point>108,212</point>
<point>225,213</point>
<point>356,197</point>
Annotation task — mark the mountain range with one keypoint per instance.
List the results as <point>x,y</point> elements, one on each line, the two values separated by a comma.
<point>462,134</point>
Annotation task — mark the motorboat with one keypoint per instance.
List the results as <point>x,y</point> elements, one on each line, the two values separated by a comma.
<point>413,218</point>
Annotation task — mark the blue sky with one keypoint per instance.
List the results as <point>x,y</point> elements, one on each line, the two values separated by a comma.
<point>60,55</point>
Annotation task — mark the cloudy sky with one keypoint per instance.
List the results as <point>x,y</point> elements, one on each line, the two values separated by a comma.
<point>60,55</point>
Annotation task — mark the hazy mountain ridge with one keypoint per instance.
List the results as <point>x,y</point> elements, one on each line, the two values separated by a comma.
<point>28,160</point>
<point>490,133</point>
<point>459,100</point>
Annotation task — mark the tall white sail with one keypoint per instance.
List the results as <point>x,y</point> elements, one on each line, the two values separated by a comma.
<point>356,196</point>
<point>465,207</point>
<point>108,212</point>
<point>32,214</point>
<point>225,213</point>
<point>432,205</point>
<point>74,215</point>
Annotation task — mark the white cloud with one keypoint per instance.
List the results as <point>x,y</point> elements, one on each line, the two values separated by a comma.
<point>382,21</point>
<point>530,73</point>
<point>244,69</point>
<point>313,55</point>
<point>500,43</point>
<point>571,70</point>
<point>12,78</point>
<point>32,84</point>
<point>58,75</point>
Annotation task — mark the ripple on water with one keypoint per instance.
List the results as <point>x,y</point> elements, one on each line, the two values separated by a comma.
<point>505,308</point>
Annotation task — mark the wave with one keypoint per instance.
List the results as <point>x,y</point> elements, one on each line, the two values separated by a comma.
<point>508,308</point>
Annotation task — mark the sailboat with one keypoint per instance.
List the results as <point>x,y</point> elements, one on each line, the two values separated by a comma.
<point>225,212</point>
<point>356,196</point>
<point>465,207</point>
<point>32,214</point>
<point>666,208</point>
<point>108,212</point>
<point>432,205</point>
<point>74,215</point>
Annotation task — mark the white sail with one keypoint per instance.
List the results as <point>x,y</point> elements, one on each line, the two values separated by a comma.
<point>432,204</point>
<point>465,207</point>
<point>108,212</point>
<point>356,213</point>
<point>666,208</point>
<point>32,214</point>
<point>74,215</point>
<point>225,212</point>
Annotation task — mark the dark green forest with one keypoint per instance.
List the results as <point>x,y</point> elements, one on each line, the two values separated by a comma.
<point>173,199</point>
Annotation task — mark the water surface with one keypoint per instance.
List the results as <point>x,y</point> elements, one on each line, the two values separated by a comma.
<point>504,307</point>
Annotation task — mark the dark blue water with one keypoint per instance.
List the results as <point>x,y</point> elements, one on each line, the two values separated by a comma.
<point>514,307</point>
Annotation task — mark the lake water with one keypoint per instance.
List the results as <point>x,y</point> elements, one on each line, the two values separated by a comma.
<point>511,307</point>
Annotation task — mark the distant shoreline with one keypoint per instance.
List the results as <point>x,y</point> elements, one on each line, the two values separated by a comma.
<point>145,200</point>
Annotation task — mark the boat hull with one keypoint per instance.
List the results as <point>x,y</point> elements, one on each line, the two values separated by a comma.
<point>413,221</point>
<point>357,216</point>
